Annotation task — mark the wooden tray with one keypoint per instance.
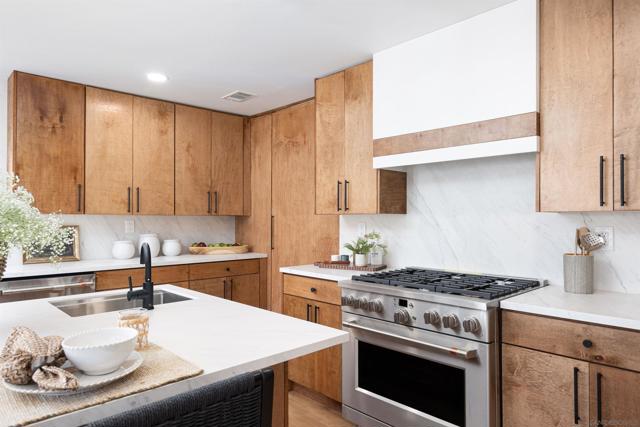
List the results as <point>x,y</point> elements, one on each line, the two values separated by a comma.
<point>194,250</point>
<point>323,264</point>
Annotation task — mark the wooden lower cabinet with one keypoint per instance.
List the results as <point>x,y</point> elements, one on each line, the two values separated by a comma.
<point>538,389</point>
<point>320,371</point>
<point>245,289</point>
<point>215,286</point>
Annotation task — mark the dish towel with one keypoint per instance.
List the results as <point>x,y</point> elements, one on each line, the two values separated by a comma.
<point>27,357</point>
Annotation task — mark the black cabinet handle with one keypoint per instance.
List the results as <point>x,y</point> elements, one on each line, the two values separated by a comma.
<point>576,416</point>
<point>129,199</point>
<point>599,400</point>
<point>79,197</point>
<point>314,290</point>
<point>346,195</point>
<point>137,199</point>
<point>273,219</point>
<point>316,311</point>
<point>208,201</point>
<point>231,289</point>
<point>338,196</point>
<point>601,180</point>
<point>622,202</point>
<point>587,343</point>
<point>215,202</point>
<point>308,312</point>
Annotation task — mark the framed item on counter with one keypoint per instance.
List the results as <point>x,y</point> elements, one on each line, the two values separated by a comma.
<point>71,251</point>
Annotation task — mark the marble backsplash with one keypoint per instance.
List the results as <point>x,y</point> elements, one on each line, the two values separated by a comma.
<point>98,232</point>
<point>478,215</point>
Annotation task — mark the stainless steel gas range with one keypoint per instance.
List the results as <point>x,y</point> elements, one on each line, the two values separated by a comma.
<point>423,349</point>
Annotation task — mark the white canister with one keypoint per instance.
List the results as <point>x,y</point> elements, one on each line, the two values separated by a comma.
<point>361,260</point>
<point>171,247</point>
<point>152,240</point>
<point>123,249</point>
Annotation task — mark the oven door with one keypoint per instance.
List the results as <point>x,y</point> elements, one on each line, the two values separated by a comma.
<point>402,376</point>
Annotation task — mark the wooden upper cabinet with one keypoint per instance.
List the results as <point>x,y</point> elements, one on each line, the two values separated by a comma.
<point>626,92</point>
<point>330,138</point>
<point>576,105</point>
<point>538,389</point>
<point>227,164</point>
<point>346,182</point>
<point>193,161</point>
<point>46,140</point>
<point>153,156</point>
<point>109,152</point>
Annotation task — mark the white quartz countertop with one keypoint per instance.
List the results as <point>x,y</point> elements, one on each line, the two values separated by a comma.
<point>605,308</point>
<point>91,265</point>
<point>310,270</point>
<point>222,337</point>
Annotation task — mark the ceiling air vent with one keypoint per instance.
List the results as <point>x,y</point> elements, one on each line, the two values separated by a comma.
<point>238,96</point>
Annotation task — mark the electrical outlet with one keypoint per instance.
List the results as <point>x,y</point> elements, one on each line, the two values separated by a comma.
<point>607,234</point>
<point>128,226</point>
<point>362,229</point>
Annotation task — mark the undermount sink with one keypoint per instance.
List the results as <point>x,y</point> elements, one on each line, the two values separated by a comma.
<point>103,304</point>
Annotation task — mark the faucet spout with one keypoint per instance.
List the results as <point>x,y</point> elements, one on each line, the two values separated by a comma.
<point>145,258</point>
<point>146,293</point>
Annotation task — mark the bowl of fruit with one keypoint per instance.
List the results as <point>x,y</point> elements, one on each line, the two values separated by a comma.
<point>202,248</point>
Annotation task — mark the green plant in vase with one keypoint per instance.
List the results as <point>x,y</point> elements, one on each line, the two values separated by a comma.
<point>22,225</point>
<point>360,248</point>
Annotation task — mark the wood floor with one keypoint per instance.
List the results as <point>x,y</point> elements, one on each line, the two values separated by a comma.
<point>305,411</point>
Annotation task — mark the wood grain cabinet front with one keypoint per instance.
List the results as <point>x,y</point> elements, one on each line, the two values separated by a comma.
<point>564,373</point>
<point>46,140</point>
<point>346,182</point>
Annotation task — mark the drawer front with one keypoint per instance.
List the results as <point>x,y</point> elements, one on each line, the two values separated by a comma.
<point>171,274</point>
<point>593,343</point>
<point>314,289</point>
<point>223,269</point>
<point>215,287</point>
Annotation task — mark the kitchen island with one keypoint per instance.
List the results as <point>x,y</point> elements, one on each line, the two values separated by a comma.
<point>222,337</point>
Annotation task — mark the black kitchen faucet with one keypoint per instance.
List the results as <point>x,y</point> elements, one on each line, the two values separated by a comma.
<point>146,293</point>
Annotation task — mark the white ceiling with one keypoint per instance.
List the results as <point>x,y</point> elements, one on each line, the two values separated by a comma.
<point>273,48</point>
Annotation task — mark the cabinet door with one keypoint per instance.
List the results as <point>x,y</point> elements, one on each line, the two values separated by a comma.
<point>541,389</point>
<point>626,92</point>
<point>153,156</point>
<point>303,369</point>
<point>299,235</point>
<point>329,361</point>
<point>193,161</point>
<point>362,185</point>
<point>615,397</point>
<point>46,141</point>
<point>227,164</point>
<point>213,287</point>
<point>245,289</point>
<point>576,100</point>
<point>330,144</point>
<point>109,152</point>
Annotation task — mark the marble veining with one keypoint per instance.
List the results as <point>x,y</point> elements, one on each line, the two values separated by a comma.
<point>479,215</point>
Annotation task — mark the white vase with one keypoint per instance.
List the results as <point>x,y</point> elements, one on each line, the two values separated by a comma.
<point>153,241</point>
<point>360,260</point>
<point>171,247</point>
<point>123,249</point>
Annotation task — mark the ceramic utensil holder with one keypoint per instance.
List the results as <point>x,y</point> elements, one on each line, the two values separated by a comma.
<point>578,274</point>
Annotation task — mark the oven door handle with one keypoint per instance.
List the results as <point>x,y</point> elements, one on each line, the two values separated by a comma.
<point>465,354</point>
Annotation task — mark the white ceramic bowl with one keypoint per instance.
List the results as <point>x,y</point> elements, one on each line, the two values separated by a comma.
<point>100,351</point>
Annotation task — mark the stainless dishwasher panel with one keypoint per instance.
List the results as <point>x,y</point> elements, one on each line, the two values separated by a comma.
<point>46,287</point>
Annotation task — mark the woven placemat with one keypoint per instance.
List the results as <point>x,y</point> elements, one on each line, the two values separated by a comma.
<point>159,367</point>
<point>349,266</point>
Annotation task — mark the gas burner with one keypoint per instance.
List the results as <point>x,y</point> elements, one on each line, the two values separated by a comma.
<point>445,282</point>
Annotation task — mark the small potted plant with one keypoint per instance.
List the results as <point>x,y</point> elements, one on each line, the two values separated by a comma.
<point>360,248</point>
<point>378,249</point>
<point>22,225</point>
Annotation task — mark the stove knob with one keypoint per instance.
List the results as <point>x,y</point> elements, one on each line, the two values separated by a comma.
<point>402,316</point>
<point>432,318</point>
<point>362,303</point>
<point>376,306</point>
<point>348,300</point>
<point>450,321</point>
<point>471,324</point>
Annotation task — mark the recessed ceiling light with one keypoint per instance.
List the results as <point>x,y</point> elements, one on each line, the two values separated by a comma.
<point>156,77</point>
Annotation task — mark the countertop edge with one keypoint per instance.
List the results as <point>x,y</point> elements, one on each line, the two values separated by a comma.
<point>309,270</point>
